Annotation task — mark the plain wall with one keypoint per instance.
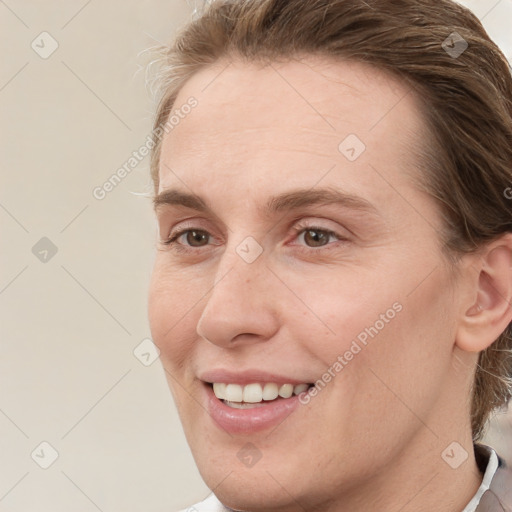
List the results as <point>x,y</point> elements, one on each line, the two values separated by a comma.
<point>73,309</point>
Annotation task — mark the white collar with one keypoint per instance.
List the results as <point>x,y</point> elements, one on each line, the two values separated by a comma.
<point>212,504</point>
<point>490,471</point>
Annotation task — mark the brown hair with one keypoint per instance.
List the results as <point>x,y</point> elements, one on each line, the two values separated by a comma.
<point>466,101</point>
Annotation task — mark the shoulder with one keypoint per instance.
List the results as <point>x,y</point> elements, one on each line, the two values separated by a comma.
<point>210,504</point>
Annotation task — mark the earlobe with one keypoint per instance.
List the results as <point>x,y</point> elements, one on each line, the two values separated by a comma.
<point>490,312</point>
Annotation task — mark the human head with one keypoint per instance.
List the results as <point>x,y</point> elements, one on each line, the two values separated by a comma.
<point>464,155</point>
<point>463,99</point>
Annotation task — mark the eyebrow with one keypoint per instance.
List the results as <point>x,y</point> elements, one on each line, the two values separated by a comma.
<point>291,200</point>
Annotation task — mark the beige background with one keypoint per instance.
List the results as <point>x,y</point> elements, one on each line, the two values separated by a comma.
<point>70,323</point>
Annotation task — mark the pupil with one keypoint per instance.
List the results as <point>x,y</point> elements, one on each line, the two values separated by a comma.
<point>196,238</point>
<point>317,237</point>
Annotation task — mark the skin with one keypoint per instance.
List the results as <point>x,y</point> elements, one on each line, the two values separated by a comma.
<point>372,439</point>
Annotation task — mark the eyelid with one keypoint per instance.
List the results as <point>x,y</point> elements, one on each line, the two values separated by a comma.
<point>302,229</point>
<point>340,232</point>
<point>186,225</point>
<point>173,237</point>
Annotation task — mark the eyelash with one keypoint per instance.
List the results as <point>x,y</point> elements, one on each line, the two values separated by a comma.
<point>175,245</point>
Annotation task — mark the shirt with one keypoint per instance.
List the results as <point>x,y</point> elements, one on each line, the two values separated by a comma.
<point>490,471</point>
<point>493,495</point>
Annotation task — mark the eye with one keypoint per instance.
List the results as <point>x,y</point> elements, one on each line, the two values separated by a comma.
<point>190,237</point>
<point>316,237</point>
<point>312,237</point>
<point>309,237</point>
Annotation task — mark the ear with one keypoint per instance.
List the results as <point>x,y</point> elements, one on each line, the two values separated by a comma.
<point>489,309</point>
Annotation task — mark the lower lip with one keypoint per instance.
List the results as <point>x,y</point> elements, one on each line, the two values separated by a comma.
<point>245,421</point>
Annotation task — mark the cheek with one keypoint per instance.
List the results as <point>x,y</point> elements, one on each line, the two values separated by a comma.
<point>173,311</point>
<point>383,322</point>
<point>342,306</point>
<point>395,349</point>
<point>402,373</point>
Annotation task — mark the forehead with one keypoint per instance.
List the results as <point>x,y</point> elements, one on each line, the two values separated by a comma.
<point>252,119</point>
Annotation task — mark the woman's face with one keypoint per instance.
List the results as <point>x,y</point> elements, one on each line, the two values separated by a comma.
<point>309,257</point>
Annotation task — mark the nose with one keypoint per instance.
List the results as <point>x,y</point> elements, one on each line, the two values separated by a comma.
<point>241,307</point>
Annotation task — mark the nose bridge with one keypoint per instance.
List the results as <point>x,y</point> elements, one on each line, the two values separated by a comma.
<point>239,302</point>
<point>241,269</point>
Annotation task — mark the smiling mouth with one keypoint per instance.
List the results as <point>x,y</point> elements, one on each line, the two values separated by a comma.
<point>256,394</point>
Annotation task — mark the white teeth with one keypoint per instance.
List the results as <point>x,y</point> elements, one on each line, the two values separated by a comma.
<point>255,392</point>
<point>233,393</point>
<point>270,391</point>
<point>297,390</point>
<point>220,390</point>
<point>286,390</point>
<point>243,405</point>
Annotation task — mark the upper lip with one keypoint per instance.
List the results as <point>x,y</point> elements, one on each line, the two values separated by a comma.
<point>247,377</point>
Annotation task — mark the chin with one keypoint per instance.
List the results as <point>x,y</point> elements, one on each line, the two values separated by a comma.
<point>264,497</point>
<point>272,484</point>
